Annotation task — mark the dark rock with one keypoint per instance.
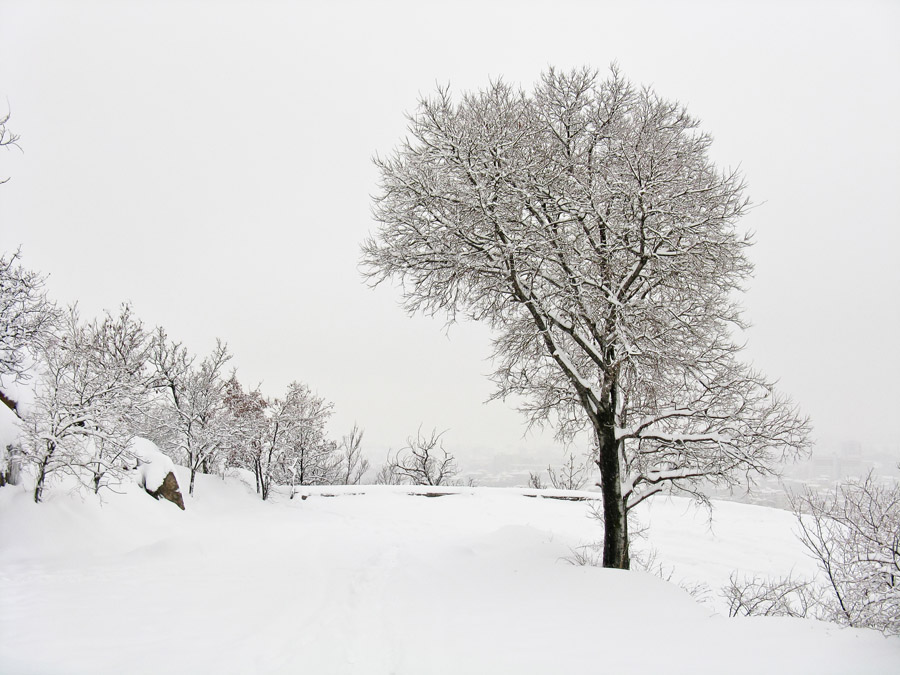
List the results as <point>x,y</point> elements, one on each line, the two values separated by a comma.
<point>168,490</point>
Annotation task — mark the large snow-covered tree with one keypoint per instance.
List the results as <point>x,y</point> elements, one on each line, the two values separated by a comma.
<point>586,223</point>
<point>92,383</point>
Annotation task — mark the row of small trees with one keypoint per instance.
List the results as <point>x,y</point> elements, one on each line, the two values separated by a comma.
<point>98,384</point>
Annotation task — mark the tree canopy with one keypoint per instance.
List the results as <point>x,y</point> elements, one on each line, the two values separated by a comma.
<point>586,223</point>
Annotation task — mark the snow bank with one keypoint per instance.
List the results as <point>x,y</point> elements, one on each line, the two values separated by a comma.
<point>382,582</point>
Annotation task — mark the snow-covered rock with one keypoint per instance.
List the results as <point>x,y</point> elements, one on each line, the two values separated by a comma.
<point>155,472</point>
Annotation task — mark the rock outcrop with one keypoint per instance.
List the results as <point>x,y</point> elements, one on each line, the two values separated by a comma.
<point>168,490</point>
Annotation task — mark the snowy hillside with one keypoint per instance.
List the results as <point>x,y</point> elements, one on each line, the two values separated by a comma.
<point>384,582</point>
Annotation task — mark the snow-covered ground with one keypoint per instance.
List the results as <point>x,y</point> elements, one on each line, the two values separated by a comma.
<point>384,582</point>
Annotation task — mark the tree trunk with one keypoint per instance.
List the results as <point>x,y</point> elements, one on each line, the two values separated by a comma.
<point>615,523</point>
<point>42,474</point>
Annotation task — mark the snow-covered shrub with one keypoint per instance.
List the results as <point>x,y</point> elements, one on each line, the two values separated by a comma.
<point>760,596</point>
<point>853,533</point>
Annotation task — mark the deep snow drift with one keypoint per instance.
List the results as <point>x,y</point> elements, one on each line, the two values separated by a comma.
<point>383,582</point>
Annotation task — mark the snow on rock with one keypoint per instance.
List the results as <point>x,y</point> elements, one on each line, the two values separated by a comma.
<point>152,465</point>
<point>155,471</point>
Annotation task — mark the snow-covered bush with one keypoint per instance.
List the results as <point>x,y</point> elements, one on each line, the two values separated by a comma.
<point>853,534</point>
<point>760,596</point>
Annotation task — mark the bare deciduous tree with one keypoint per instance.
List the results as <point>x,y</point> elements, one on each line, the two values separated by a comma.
<point>422,461</point>
<point>387,474</point>
<point>535,481</point>
<point>353,466</point>
<point>587,225</point>
<point>572,475</point>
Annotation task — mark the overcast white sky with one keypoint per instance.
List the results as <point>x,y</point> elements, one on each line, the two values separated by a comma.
<point>211,163</point>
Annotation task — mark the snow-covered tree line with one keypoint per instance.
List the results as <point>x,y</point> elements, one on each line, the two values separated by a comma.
<point>92,386</point>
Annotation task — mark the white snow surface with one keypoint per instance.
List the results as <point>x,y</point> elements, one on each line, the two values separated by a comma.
<point>152,465</point>
<point>375,580</point>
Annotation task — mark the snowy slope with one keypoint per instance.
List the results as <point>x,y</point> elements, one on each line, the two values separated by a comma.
<point>384,582</point>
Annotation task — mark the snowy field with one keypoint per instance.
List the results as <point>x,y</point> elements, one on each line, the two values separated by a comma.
<point>384,582</point>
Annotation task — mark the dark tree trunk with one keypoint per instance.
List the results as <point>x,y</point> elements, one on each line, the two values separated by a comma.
<point>42,475</point>
<point>615,523</point>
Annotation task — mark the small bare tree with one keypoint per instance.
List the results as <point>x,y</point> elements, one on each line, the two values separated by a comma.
<point>353,466</point>
<point>387,474</point>
<point>572,475</point>
<point>535,481</point>
<point>422,461</point>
